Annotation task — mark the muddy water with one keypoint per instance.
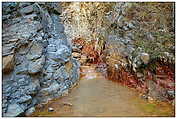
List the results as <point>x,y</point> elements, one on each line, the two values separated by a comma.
<point>97,96</point>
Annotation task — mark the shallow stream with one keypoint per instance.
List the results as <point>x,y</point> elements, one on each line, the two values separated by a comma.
<point>97,96</point>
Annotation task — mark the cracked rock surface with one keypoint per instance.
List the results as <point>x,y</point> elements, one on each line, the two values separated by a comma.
<point>35,56</point>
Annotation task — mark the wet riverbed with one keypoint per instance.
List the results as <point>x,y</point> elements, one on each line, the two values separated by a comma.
<point>97,96</point>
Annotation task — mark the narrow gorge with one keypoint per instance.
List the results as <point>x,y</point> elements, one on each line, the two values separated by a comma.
<point>88,59</point>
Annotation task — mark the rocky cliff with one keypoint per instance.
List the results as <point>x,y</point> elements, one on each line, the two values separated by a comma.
<point>134,41</point>
<point>140,48</point>
<point>37,62</point>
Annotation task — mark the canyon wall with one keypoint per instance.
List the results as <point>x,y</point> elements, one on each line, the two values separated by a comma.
<point>37,62</point>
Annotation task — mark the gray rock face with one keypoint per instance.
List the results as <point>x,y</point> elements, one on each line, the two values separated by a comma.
<point>55,6</point>
<point>36,66</point>
<point>53,88</point>
<point>74,75</point>
<point>61,74</point>
<point>35,51</point>
<point>27,9</point>
<point>24,4</point>
<point>62,54</point>
<point>25,98</point>
<point>14,110</point>
<point>36,55</point>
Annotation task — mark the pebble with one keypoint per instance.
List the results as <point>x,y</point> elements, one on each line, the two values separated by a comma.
<point>50,109</point>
